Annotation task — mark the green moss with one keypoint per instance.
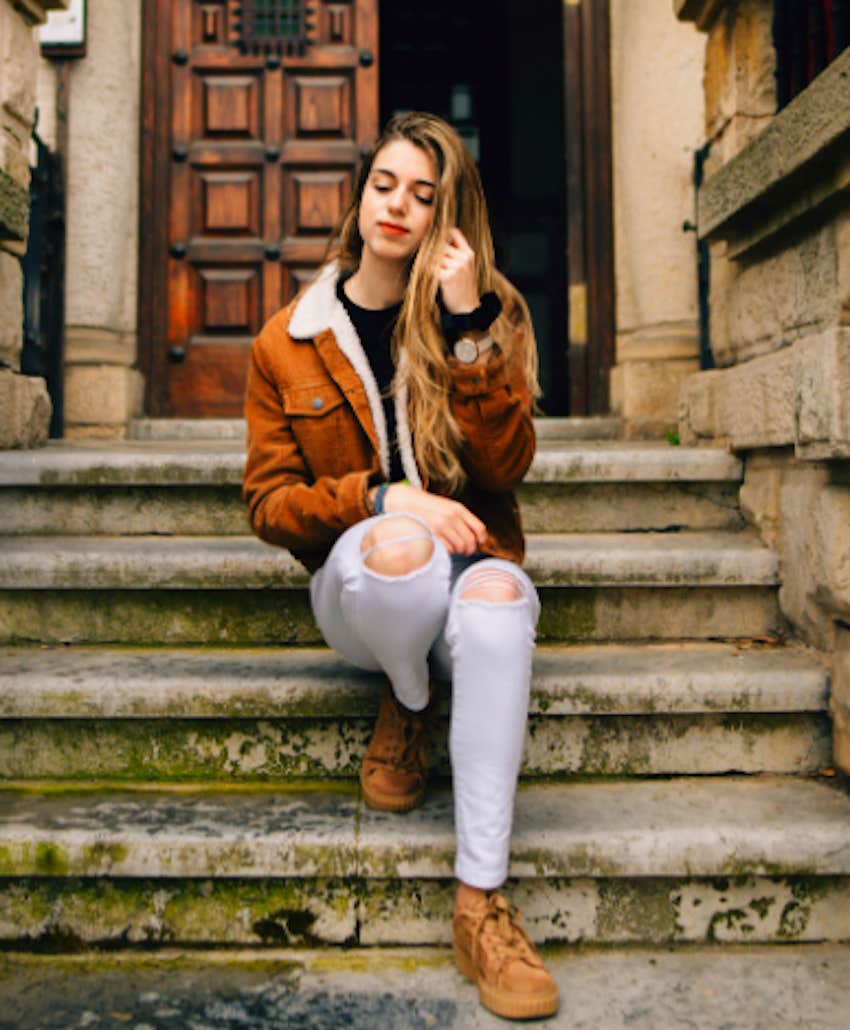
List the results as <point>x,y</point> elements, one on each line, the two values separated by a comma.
<point>50,860</point>
<point>640,911</point>
<point>567,614</point>
<point>762,906</point>
<point>158,617</point>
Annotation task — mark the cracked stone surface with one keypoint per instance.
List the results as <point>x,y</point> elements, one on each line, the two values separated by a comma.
<point>757,988</point>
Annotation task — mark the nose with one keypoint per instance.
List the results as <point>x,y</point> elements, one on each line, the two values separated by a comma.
<point>397,199</point>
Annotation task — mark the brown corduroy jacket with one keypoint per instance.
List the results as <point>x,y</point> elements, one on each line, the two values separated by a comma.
<point>317,437</point>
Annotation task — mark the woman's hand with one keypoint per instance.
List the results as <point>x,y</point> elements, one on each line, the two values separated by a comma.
<point>451,522</point>
<point>457,275</point>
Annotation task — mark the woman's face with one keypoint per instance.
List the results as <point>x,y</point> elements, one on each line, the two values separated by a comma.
<point>397,205</point>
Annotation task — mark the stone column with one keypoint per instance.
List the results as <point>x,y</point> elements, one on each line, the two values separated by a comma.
<point>103,389</point>
<point>657,124</point>
<point>24,404</point>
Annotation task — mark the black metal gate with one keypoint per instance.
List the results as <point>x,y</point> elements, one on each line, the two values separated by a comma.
<point>44,279</point>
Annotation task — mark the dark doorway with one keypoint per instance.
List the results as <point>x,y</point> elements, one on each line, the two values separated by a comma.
<point>495,69</point>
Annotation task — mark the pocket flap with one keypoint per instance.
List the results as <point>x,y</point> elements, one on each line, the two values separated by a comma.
<point>312,401</point>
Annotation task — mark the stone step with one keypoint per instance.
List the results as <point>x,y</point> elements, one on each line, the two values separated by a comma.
<point>583,428</point>
<point>236,715</point>
<point>761,858</point>
<point>169,590</point>
<point>762,987</point>
<point>239,563</point>
<point>194,487</point>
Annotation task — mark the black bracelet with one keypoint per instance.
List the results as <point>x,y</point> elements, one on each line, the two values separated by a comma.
<point>454,326</point>
<point>378,503</point>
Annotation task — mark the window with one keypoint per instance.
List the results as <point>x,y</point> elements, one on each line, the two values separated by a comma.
<point>270,26</point>
<point>807,35</point>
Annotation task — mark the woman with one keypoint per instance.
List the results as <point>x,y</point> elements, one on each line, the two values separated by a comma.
<point>389,420</point>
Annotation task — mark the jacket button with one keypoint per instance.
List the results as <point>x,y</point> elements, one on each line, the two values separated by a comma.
<point>317,403</point>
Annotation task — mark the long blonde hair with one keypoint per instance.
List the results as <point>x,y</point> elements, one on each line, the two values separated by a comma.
<point>458,201</point>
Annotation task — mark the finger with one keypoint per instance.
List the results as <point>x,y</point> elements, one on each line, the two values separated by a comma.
<point>474,524</point>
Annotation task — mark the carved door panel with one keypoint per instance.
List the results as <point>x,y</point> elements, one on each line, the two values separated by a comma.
<point>262,146</point>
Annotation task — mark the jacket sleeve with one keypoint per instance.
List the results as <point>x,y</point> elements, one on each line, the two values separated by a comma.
<point>286,505</point>
<point>492,405</point>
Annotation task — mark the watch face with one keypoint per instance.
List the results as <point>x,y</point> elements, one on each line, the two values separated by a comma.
<point>466,350</point>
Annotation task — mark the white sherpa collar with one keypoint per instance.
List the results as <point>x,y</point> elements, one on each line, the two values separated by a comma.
<point>318,309</point>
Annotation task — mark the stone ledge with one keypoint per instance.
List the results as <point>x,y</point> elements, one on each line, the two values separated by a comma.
<point>193,462</point>
<point>708,826</point>
<point>807,140</point>
<point>25,411</point>
<point>14,208</point>
<point>798,396</point>
<point>627,560</point>
<point>311,683</point>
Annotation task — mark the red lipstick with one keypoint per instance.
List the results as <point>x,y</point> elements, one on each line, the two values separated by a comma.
<point>391,229</point>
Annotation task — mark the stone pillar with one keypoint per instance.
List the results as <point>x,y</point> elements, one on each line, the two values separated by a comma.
<point>103,389</point>
<point>657,124</point>
<point>24,404</point>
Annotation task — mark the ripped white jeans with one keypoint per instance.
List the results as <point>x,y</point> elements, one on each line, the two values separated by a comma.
<point>396,623</point>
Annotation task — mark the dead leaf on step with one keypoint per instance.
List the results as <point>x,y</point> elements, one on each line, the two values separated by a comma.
<point>748,643</point>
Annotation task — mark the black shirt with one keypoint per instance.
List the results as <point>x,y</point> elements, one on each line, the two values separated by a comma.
<point>375,329</point>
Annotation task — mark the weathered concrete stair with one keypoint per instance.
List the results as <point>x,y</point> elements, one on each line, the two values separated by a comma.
<point>206,794</point>
<point>266,716</point>
<point>237,590</point>
<point>660,861</point>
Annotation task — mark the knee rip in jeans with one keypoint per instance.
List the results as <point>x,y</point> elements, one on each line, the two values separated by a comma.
<point>397,546</point>
<point>493,585</point>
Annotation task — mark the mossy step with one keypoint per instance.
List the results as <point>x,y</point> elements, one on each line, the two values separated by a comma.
<point>217,463</point>
<point>257,683</point>
<point>416,988</point>
<point>205,509</point>
<point>259,716</point>
<point>662,560</point>
<point>704,827</point>
<point>282,617</point>
<point>57,914</point>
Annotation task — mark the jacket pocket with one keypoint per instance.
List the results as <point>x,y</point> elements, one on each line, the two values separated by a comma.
<point>323,425</point>
<point>312,401</point>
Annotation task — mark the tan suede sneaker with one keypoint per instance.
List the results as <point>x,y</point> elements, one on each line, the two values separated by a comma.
<point>491,948</point>
<point>395,766</point>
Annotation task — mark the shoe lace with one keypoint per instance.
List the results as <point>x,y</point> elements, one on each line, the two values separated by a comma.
<point>500,928</point>
<point>402,737</point>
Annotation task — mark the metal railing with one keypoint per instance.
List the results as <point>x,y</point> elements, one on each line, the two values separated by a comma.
<point>807,35</point>
<point>44,279</point>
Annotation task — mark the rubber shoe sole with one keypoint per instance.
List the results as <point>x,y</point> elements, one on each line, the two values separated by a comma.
<point>507,1004</point>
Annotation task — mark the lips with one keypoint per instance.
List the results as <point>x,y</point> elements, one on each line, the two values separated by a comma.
<point>391,229</point>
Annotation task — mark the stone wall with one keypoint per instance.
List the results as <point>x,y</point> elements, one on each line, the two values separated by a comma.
<point>656,66</point>
<point>775,209</point>
<point>24,404</point>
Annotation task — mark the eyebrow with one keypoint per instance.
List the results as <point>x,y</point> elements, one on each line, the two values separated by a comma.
<point>419,182</point>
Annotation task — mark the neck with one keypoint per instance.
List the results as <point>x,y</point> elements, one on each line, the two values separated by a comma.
<point>377,283</point>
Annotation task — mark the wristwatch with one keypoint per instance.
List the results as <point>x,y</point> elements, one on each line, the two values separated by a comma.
<point>467,350</point>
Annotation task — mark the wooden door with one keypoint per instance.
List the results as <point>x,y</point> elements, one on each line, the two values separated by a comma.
<point>248,160</point>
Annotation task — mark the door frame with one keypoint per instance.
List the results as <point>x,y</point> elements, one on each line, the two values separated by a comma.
<point>591,320</point>
<point>154,173</point>
<point>591,348</point>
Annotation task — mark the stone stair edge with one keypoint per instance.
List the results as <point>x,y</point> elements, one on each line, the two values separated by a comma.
<point>221,463</point>
<point>653,559</point>
<point>718,826</point>
<point>263,683</point>
<point>576,427</point>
